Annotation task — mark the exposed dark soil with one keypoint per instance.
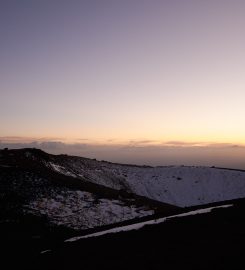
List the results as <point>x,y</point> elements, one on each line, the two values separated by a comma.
<point>209,241</point>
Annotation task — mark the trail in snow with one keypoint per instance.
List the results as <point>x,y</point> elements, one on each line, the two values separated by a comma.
<point>138,226</point>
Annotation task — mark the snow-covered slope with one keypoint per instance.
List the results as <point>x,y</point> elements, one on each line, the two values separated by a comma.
<point>60,205</point>
<point>82,210</point>
<point>88,169</point>
<point>184,186</point>
<point>30,187</point>
<point>178,185</point>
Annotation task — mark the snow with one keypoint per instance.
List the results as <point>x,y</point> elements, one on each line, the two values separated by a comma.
<point>28,154</point>
<point>45,251</point>
<point>5,166</point>
<point>140,225</point>
<point>61,169</point>
<point>81,210</point>
<point>178,185</point>
<point>89,170</point>
<point>184,186</point>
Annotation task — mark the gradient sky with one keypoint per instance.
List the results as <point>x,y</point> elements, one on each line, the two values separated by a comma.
<point>114,71</point>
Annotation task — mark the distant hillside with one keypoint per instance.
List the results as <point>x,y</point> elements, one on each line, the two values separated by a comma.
<point>177,185</point>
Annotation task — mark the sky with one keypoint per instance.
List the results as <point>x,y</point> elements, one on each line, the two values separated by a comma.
<point>108,73</point>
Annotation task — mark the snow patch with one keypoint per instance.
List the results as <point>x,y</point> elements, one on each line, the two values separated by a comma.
<point>138,226</point>
<point>61,169</point>
<point>45,251</point>
<point>83,210</point>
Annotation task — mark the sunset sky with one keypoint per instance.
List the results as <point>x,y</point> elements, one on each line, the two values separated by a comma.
<point>123,72</point>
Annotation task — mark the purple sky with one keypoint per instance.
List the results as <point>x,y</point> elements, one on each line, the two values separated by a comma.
<point>112,72</point>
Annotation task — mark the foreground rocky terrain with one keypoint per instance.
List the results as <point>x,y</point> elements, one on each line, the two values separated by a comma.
<point>55,209</point>
<point>201,239</point>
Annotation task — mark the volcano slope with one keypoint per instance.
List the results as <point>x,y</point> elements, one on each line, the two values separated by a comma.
<point>182,186</point>
<point>40,207</point>
<point>46,199</point>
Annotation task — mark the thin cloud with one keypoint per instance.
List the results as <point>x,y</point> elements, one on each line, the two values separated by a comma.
<point>225,145</point>
<point>19,139</point>
<point>183,143</point>
<point>142,142</point>
<point>201,144</point>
